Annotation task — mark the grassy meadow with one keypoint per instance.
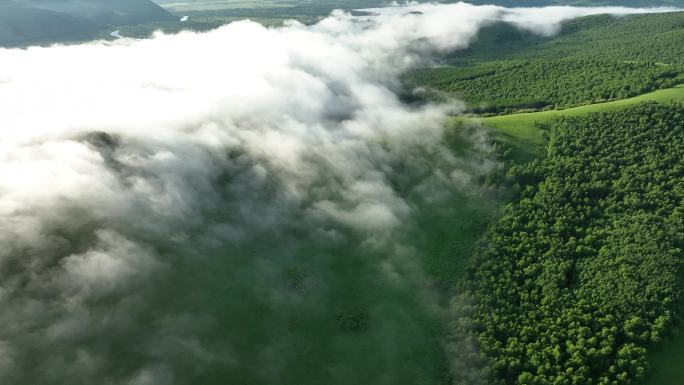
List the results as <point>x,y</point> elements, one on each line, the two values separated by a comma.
<point>524,125</point>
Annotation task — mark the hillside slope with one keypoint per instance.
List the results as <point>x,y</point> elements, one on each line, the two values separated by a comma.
<point>19,22</point>
<point>106,11</point>
<point>30,21</point>
<point>593,59</point>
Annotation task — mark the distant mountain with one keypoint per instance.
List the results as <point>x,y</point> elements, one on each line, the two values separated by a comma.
<point>26,21</point>
<point>113,12</point>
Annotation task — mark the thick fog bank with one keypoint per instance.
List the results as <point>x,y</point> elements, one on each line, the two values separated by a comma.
<point>232,206</point>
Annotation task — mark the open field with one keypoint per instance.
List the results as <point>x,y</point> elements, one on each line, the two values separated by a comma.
<point>523,126</point>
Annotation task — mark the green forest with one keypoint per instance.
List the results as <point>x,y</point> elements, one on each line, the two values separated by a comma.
<point>580,276</point>
<point>524,84</point>
<point>578,281</point>
<point>594,59</point>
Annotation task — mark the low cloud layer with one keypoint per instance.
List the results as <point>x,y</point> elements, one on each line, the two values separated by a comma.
<point>196,207</point>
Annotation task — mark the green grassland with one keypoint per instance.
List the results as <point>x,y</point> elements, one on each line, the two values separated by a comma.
<point>525,125</point>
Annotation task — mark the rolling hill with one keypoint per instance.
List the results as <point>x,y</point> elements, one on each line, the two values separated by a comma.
<point>588,62</point>
<point>31,21</point>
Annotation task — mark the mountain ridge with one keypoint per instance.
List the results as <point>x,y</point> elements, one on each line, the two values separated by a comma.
<point>31,21</point>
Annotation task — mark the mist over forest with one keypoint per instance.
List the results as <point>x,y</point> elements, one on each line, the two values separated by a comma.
<point>258,204</point>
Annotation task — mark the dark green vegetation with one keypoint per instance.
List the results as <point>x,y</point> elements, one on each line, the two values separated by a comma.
<point>581,275</point>
<point>579,281</point>
<point>37,21</point>
<point>503,87</point>
<point>642,38</point>
<point>666,363</point>
<point>445,257</point>
<point>594,59</point>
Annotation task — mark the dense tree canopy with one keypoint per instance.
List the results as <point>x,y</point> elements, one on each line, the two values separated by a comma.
<point>503,86</point>
<point>645,38</point>
<point>581,275</point>
<point>593,59</point>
